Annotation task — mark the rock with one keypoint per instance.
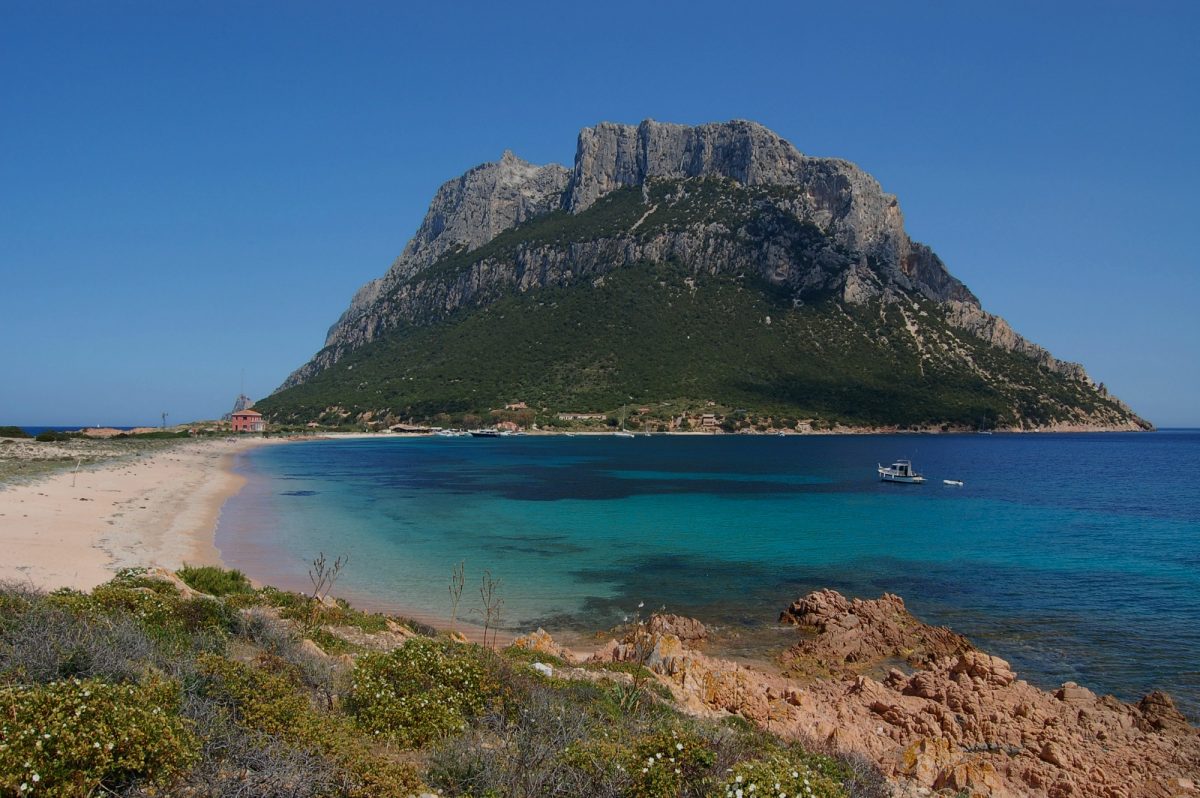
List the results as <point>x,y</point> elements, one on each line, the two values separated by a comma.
<point>688,630</point>
<point>987,669</point>
<point>853,635</point>
<point>1072,693</point>
<point>609,652</point>
<point>541,642</point>
<point>1158,714</point>
<point>962,722</point>
<point>925,759</point>
<point>973,776</point>
<point>376,641</point>
<point>1053,754</point>
<point>543,669</point>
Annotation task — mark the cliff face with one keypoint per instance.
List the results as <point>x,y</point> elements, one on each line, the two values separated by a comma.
<point>466,213</point>
<point>835,192</point>
<point>728,199</point>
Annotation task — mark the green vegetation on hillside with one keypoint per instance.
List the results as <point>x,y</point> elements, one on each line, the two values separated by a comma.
<point>683,334</point>
<point>138,690</point>
<point>655,332</point>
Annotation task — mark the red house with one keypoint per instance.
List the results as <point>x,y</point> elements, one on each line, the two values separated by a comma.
<point>248,421</point>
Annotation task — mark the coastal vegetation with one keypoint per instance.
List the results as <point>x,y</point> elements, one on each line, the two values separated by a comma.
<point>148,686</point>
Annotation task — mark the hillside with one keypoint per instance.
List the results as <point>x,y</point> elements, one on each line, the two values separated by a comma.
<point>681,268</point>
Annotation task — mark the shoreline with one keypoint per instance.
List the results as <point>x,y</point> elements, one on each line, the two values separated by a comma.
<point>1061,429</point>
<point>76,529</point>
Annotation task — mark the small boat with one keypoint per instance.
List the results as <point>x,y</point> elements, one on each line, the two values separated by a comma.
<point>958,483</point>
<point>623,434</point>
<point>900,471</point>
<point>485,433</point>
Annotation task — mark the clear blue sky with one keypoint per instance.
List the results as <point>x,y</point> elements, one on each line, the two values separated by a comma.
<point>188,190</point>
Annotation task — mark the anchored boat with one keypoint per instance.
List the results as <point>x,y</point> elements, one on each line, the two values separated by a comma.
<point>900,471</point>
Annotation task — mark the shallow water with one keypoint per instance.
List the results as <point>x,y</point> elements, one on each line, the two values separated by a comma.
<point>1076,557</point>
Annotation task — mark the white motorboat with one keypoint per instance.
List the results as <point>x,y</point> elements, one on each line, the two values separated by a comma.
<point>958,483</point>
<point>900,471</point>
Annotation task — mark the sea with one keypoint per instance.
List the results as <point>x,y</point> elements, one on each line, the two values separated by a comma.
<point>1074,556</point>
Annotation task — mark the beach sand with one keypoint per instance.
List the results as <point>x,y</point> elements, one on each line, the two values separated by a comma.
<point>77,529</point>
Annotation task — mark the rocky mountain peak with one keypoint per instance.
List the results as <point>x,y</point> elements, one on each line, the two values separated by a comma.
<point>474,208</point>
<point>610,156</point>
<point>466,213</point>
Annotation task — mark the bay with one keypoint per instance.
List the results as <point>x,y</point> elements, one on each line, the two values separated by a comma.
<point>1075,557</point>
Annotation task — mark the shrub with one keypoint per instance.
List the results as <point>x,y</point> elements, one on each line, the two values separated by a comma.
<point>44,642</point>
<point>50,436</point>
<point>551,746</point>
<point>266,631</point>
<point>214,581</point>
<point>165,615</point>
<point>69,738</point>
<point>13,432</point>
<point>668,763</point>
<point>419,692</point>
<point>779,776</point>
<point>270,700</point>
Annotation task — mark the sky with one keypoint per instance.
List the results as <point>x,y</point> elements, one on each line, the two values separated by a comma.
<point>190,192</point>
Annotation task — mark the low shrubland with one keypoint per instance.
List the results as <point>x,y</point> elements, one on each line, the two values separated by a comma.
<point>136,689</point>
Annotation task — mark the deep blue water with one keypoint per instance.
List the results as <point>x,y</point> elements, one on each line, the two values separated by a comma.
<point>1076,557</point>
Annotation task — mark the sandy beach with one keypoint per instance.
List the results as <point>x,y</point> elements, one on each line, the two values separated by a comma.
<point>76,529</point>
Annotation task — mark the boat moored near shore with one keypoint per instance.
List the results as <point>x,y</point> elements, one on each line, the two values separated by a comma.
<point>900,471</point>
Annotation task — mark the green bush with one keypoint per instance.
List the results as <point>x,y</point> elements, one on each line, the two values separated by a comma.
<point>668,763</point>
<point>423,691</point>
<point>214,581</point>
<point>779,775</point>
<point>50,436</point>
<point>270,699</point>
<point>13,432</point>
<point>70,738</point>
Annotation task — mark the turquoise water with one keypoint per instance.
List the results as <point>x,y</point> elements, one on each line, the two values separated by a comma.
<point>1076,557</point>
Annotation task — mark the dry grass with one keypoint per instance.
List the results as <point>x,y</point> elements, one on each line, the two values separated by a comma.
<point>23,460</point>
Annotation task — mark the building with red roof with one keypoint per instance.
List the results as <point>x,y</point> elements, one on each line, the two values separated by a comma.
<point>248,421</point>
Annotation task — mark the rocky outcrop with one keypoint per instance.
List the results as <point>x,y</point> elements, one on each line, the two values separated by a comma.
<point>838,195</point>
<point>688,630</point>
<point>540,642</point>
<point>854,635</point>
<point>962,721</point>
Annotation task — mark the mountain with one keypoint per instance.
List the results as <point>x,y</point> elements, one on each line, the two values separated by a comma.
<point>681,268</point>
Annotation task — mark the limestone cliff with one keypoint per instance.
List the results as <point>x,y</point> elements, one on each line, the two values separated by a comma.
<point>730,199</point>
